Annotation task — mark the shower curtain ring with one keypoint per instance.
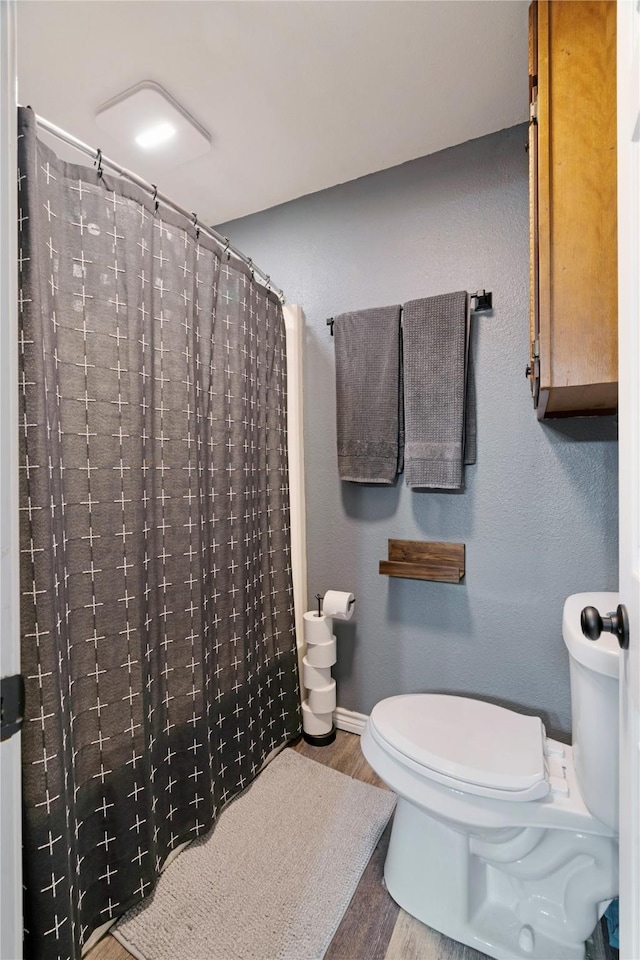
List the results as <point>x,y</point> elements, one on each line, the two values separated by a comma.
<point>195,224</point>
<point>226,248</point>
<point>98,162</point>
<point>155,198</point>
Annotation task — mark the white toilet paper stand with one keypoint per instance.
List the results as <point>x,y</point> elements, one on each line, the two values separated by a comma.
<point>317,709</point>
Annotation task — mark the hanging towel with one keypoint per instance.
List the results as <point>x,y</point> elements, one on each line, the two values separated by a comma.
<point>369,395</point>
<point>439,394</point>
<point>613,923</point>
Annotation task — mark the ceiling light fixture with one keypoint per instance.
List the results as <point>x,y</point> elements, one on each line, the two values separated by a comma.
<point>155,136</point>
<point>147,118</point>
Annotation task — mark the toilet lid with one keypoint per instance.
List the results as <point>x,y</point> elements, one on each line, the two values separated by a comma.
<point>465,740</point>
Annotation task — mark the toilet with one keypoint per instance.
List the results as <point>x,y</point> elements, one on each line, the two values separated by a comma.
<point>503,838</point>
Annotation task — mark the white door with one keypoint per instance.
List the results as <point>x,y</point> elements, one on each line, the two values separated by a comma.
<point>629,424</point>
<point>10,809</point>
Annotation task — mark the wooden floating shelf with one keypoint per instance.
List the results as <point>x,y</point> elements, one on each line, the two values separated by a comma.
<point>424,560</point>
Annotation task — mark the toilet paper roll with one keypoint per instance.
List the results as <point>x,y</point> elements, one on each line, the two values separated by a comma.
<point>322,654</point>
<point>323,700</point>
<point>316,724</point>
<point>315,677</point>
<point>338,604</point>
<point>317,629</point>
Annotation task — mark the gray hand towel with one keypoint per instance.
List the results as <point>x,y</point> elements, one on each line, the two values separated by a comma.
<point>368,395</point>
<point>439,395</point>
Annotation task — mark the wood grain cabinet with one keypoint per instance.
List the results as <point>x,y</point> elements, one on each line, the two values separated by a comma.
<point>572,171</point>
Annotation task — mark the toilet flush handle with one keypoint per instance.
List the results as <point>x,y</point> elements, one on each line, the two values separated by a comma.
<point>593,624</point>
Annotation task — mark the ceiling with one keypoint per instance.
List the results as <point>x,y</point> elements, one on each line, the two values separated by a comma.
<point>297,96</point>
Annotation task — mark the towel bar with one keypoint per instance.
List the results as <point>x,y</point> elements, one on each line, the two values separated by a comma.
<point>483,298</point>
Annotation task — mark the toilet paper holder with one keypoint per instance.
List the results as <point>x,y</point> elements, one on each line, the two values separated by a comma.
<point>318,707</point>
<point>320,598</point>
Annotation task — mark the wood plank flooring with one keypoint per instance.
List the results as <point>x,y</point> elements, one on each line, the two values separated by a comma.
<point>374,927</point>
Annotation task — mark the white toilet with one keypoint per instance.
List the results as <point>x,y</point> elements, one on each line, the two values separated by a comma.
<point>505,839</point>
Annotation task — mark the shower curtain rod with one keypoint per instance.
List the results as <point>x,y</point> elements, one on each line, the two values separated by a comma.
<point>97,154</point>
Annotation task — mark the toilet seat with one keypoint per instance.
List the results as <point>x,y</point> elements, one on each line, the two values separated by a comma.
<point>470,745</point>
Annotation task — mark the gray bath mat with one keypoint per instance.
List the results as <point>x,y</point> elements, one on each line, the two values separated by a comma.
<point>273,879</point>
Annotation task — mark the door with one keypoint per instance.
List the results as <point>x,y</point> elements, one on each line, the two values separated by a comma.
<point>10,810</point>
<point>629,426</point>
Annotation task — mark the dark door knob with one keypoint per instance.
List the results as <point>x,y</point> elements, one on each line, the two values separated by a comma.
<point>593,624</point>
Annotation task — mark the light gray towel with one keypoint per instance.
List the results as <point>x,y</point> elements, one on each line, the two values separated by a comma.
<point>439,394</point>
<point>368,395</point>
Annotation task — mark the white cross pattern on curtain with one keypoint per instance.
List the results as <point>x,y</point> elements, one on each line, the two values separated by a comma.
<point>158,640</point>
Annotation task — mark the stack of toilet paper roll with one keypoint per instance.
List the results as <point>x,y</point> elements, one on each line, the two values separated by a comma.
<point>317,709</point>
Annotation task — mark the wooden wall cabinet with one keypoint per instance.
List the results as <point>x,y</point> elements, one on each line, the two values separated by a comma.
<point>573,363</point>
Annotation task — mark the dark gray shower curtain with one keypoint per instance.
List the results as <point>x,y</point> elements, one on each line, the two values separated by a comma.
<point>158,639</point>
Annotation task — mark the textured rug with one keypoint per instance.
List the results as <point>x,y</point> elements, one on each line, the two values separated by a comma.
<point>273,879</point>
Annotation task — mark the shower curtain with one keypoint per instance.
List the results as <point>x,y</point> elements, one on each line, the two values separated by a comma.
<point>158,640</point>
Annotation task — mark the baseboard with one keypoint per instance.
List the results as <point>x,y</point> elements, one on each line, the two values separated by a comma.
<point>349,720</point>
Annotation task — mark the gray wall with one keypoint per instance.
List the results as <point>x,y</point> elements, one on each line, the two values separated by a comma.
<point>539,514</point>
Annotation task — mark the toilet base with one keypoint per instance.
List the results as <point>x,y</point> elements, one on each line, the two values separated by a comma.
<point>541,905</point>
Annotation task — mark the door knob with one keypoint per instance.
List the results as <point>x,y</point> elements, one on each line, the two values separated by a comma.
<point>593,624</point>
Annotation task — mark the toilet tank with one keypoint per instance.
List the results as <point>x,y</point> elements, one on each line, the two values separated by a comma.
<point>594,706</point>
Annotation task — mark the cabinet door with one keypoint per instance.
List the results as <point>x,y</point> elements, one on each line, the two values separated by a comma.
<point>575,323</point>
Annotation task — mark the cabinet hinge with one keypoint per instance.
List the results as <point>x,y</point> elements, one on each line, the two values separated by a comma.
<point>533,111</point>
<point>535,349</point>
<point>11,705</point>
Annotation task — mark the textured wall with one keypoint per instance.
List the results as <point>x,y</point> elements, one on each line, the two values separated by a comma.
<point>539,515</point>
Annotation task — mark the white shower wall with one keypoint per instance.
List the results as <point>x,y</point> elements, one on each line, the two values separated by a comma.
<point>294,325</point>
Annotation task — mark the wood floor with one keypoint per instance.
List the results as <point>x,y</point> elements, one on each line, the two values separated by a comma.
<point>374,927</point>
